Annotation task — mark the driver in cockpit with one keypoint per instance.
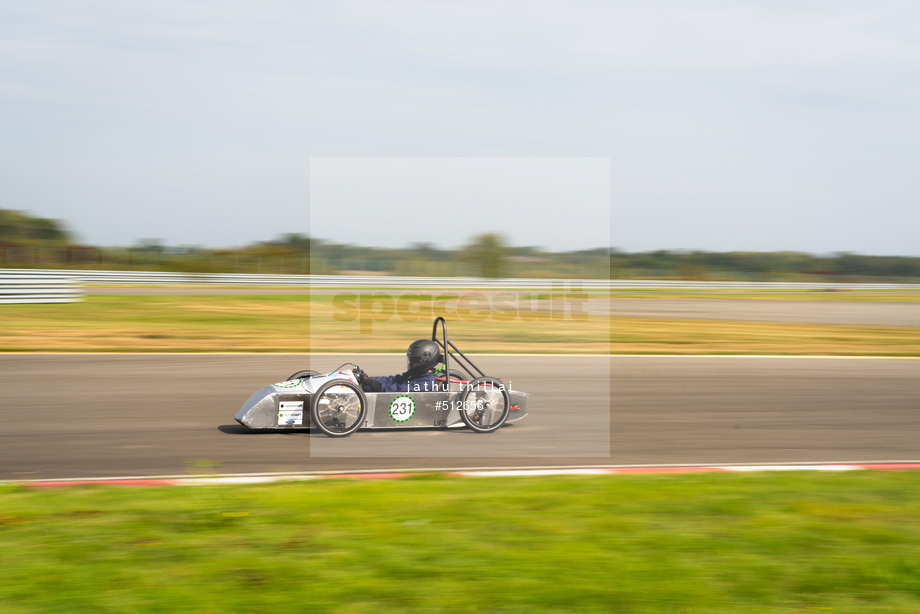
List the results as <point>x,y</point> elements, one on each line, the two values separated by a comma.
<point>421,358</point>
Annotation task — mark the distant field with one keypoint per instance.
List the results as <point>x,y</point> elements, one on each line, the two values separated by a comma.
<point>910,295</point>
<point>672,336</point>
<point>297,323</point>
<point>715,543</point>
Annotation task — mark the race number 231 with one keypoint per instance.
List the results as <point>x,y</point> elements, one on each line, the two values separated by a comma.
<point>402,408</point>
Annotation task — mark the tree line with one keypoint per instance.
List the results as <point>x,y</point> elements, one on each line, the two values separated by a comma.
<point>33,242</point>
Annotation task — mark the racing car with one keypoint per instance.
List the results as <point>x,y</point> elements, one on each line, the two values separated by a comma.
<point>335,404</point>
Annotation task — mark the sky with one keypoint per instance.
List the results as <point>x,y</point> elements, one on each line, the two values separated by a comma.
<point>447,201</point>
<point>721,126</point>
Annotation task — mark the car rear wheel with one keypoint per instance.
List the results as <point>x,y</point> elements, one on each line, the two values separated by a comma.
<point>484,404</point>
<point>338,408</point>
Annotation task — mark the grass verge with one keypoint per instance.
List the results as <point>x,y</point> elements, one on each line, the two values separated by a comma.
<point>282,323</point>
<point>714,543</point>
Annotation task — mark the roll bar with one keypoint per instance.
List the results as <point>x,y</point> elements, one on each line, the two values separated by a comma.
<point>466,364</point>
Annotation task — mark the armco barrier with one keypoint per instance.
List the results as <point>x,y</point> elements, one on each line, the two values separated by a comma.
<point>27,286</point>
<point>325,281</point>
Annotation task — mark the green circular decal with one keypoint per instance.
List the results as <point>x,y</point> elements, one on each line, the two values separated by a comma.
<point>291,383</point>
<point>402,408</point>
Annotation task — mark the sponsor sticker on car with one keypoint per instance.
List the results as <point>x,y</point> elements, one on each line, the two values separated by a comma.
<point>290,413</point>
<point>291,383</point>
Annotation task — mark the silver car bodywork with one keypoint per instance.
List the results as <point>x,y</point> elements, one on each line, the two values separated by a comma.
<point>286,405</point>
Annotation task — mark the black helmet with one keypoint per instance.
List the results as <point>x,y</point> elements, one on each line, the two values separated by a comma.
<point>422,356</point>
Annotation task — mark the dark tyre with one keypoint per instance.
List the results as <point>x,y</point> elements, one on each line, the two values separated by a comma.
<point>338,408</point>
<point>303,375</point>
<point>484,404</point>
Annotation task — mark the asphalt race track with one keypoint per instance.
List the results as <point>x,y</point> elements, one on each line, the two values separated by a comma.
<point>70,416</point>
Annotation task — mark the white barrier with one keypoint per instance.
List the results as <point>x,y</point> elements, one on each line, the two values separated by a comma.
<point>324,281</point>
<point>28,286</point>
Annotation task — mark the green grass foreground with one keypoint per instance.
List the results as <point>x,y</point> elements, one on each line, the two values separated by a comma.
<point>702,543</point>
